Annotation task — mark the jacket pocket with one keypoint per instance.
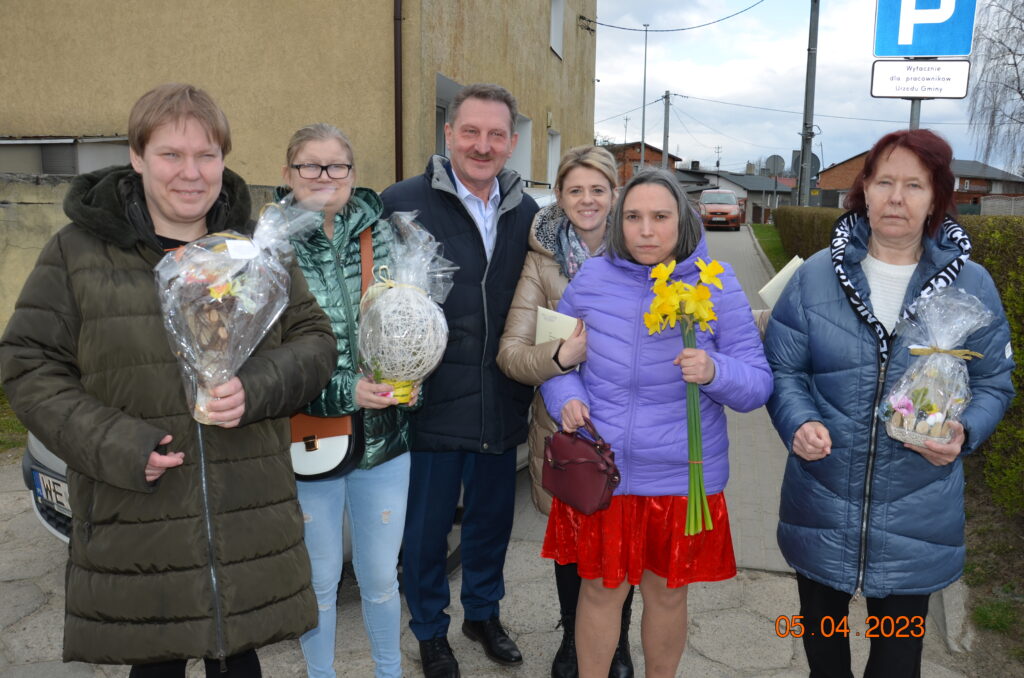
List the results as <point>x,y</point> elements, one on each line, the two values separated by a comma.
<point>83,505</point>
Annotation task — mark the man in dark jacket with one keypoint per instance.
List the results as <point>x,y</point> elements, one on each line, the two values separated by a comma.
<point>197,552</point>
<point>465,436</point>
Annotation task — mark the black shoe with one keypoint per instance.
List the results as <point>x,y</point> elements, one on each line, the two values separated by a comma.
<point>497,645</point>
<point>622,662</point>
<point>564,664</point>
<point>437,659</point>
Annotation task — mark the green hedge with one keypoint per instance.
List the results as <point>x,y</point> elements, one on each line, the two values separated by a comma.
<point>999,247</point>
<point>805,230</point>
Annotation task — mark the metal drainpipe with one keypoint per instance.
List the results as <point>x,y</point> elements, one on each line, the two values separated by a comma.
<point>399,149</point>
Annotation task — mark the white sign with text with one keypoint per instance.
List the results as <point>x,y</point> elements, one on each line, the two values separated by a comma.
<point>920,79</point>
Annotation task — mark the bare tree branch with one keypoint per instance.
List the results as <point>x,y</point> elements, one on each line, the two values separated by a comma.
<point>997,95</point>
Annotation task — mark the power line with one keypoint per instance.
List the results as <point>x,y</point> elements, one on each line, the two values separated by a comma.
<point>742,141</point>
<point>777,110</point>
<point>632,110</point>
<point>687,130</point>
<point>817,115</point>
<point>669,30</point>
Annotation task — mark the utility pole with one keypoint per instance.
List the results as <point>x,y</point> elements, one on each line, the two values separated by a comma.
<point>643,103</point>
<point>664,142</point>
<point>623,153</point>
<point>804,196</point>
<point>718,164</point>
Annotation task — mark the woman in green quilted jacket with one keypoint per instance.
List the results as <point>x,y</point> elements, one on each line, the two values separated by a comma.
<point>372,484</point>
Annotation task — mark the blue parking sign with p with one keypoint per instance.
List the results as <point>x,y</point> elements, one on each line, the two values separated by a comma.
<point>924,28</point>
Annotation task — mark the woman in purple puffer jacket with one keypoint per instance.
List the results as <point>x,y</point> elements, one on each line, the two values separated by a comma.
<point>633,388</point>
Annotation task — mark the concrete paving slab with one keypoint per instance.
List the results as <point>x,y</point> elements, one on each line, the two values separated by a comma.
<point>21,598</point>
<point>37,637</point>
<point>50,670</point>
<point>714,634</point>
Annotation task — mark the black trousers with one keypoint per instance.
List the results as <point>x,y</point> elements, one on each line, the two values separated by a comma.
<point>890,656</point>
<point>242,665</point>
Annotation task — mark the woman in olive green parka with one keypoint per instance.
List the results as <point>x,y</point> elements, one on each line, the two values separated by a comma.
<point>319,169</point>
<point>207,559</point>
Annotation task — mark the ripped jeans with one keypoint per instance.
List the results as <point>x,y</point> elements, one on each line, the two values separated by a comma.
<point>375,500</point>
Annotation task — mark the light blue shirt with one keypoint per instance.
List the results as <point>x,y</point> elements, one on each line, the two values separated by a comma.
<point>485,214</point>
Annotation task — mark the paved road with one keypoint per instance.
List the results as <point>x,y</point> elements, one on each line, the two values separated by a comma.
<point>756,455</point>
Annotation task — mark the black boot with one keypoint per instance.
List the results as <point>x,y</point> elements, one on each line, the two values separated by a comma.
<point>564,665</point>
<point>622,662</point>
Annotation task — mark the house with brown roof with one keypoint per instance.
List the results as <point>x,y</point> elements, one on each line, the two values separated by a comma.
<point>627,157</point>
<point>973,180</point>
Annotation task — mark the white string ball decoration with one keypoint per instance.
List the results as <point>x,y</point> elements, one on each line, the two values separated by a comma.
<point>402,334</point>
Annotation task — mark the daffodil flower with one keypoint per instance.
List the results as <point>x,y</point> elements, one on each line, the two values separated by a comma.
<point>674,301</point>
<point>709,272</point>
<point>662,271</point>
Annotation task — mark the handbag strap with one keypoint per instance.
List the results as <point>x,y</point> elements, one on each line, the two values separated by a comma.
<point>366,257</point>
<point>589,426</point>
<point>300,423</point>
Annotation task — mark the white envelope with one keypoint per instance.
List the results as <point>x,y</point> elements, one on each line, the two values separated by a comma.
<point>773,288</point>
<point>552,325</point>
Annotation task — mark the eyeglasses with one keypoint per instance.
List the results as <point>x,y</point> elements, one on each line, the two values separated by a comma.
<point>310,170</point>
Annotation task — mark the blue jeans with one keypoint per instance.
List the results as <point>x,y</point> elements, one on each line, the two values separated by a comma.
<point>488,482</point>
<point>376,502</point>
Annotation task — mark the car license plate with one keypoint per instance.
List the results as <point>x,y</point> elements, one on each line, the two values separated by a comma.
<point>52,492</point>
<point>718,219</point>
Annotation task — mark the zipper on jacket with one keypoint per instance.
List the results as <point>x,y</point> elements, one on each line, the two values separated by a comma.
<point>487,329</point>
<point>350,321</point>
<point>218,614</point>
<point>866,504</point>
<point>483,353</point>
<point>637,339</point>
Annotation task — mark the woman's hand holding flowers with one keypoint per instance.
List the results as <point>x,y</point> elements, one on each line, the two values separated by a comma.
<point>371,395</point>
<point>941,454</point>
<point>573,414</point>
<point>696,365</point>
<point>812,441</point>
<point>227,403</point>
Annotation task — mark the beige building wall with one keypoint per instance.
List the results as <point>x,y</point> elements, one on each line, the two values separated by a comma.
<point>508,44</point>
<point>72,69</point>
<point>75,68</point>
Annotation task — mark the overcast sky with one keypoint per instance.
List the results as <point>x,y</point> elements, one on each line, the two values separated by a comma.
<point>757,58</point>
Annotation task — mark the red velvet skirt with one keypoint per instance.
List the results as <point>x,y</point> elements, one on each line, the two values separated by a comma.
<point>641,533</point>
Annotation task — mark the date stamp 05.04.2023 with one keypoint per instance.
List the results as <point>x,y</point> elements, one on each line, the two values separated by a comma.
<point>885,626</point>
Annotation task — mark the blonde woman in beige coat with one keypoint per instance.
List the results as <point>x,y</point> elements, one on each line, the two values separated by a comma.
<point>563,236</point>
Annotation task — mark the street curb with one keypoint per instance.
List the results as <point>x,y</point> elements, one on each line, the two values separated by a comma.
<point>760,252</point>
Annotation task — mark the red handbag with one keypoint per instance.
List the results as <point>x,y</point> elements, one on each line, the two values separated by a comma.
<point>580,472</point>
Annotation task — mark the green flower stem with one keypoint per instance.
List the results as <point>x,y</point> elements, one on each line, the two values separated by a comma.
<point>698,512</point>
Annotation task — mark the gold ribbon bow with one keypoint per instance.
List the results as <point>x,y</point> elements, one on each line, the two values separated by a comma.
<point>961,353</point>
<point>382,274</point>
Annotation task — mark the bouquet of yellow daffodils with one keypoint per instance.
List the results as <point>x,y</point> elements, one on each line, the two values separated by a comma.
<point>690,306</point>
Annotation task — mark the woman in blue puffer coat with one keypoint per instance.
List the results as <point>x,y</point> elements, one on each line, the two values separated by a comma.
<point>862,513</point>
<point>633,387</point>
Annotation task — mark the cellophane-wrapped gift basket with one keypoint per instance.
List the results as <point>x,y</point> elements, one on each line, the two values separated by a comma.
<point>221,293</point>
<point>402,329</point>
<point>934,390</point>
